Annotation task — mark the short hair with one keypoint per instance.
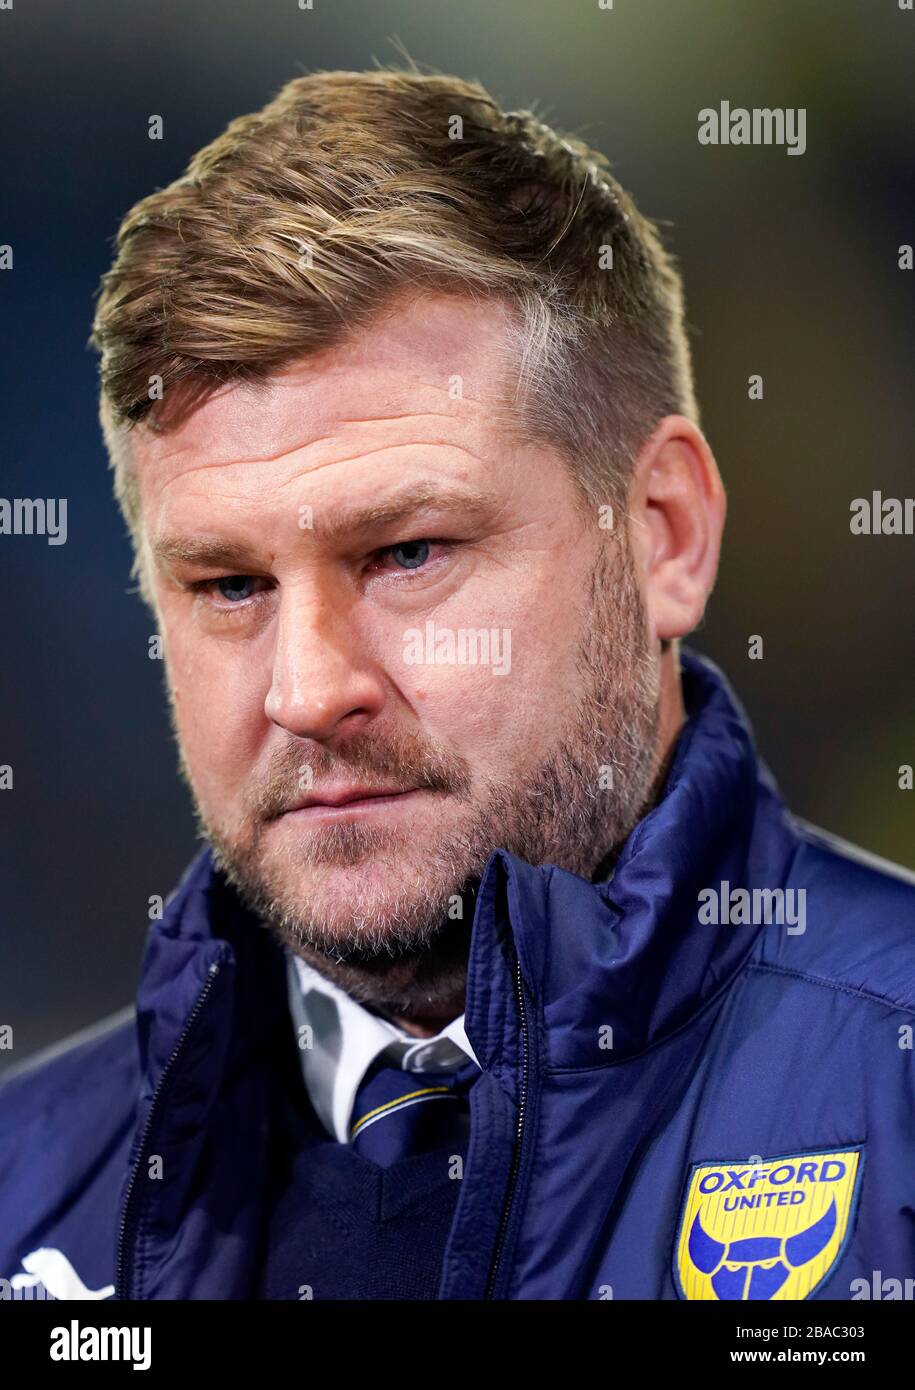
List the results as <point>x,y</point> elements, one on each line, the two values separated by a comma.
<point>302,221</point>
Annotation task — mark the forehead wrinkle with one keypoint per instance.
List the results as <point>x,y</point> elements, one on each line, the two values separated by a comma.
<point>329,439</point>
<point>386,448</point>
<point>297,477</point>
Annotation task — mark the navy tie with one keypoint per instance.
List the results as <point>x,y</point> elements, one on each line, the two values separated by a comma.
<point>397,1113</point>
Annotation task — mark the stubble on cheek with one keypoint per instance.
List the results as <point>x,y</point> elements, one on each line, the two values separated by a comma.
<point>385,885</point>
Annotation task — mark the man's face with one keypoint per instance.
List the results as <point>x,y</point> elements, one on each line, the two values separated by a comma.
<point>326,560</point>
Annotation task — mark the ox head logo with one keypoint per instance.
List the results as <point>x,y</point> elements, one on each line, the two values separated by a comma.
<point>773,1228</point>
<point>757,1266</point>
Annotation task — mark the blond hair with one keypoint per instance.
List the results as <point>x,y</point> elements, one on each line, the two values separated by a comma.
<point>301,221</point>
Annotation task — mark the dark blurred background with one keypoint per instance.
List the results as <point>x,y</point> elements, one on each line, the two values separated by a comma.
<point>791,272</point>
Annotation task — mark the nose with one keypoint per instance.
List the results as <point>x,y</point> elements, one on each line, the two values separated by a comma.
<point>323,682</point>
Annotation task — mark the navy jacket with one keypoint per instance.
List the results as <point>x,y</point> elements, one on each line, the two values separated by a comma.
<point>676,1101</point>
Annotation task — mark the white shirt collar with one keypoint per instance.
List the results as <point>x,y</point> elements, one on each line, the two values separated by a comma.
<point>339,1040</point>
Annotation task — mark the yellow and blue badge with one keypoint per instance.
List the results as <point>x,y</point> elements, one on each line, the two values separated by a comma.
<point>770,1229</point>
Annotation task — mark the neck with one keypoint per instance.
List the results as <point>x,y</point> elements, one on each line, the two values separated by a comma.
<point>420,994</point>
<point>673,711</point>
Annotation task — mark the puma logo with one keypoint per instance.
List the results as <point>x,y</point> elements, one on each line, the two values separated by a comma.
<point>52,1269</point>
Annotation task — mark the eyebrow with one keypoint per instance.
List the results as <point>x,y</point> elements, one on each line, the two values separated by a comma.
<point>465,501</point>
<point>345,520</point>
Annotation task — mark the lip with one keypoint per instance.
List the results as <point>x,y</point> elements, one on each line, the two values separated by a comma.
<point>338,801</point>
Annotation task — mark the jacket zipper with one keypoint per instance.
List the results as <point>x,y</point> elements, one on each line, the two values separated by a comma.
<point>519,1133</point>
<point>189,1025</point>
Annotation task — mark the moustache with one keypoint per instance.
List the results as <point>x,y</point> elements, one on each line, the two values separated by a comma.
<point>402,763</point>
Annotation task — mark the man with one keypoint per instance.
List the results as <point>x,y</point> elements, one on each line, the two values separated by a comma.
<point>504,973</point>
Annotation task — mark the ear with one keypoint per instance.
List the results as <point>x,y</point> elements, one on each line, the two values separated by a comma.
<point>676,513</point>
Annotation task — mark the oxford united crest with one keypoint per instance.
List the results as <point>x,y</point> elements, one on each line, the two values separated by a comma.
<point>771,1229</point>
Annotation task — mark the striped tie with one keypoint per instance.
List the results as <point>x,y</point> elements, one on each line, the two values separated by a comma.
<point>397,1113</point>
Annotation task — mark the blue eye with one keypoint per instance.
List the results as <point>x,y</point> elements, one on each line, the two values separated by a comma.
<point>411,554</point>
<point>235,587</point>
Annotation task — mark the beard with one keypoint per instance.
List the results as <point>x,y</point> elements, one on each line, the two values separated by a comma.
<point>400,929</point>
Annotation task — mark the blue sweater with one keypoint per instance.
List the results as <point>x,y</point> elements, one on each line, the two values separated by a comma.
<point>338,1226</point>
